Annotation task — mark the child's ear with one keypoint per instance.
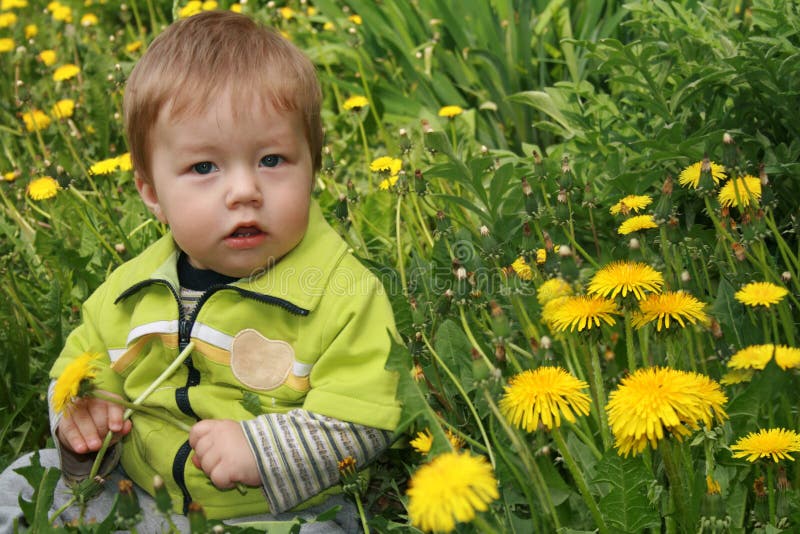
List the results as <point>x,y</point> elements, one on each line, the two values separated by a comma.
<point>150,198</point>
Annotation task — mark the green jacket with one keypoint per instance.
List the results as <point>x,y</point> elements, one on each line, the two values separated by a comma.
<point>312,332</point>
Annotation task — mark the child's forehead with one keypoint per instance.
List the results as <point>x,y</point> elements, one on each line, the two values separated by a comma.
<point>231,101</point>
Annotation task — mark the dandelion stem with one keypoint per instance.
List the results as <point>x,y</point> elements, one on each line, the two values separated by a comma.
<point>400,264</point>
<point>471,337</point>
<point>422,224</point>
<point>600,394</point>
<point>166,373</point>
<point>771,493</point>
<point>580,481</point>
<point>629,346</point>
<point>361,514</point>
<point>131,407</point>
<point>464,395</point>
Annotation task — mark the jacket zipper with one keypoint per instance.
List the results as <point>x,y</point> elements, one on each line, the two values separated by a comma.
<point>185,326</point>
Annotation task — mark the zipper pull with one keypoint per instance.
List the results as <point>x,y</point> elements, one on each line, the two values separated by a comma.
<point>184,333</point>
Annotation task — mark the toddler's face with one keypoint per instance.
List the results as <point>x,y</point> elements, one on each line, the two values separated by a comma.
<point>234,191</point>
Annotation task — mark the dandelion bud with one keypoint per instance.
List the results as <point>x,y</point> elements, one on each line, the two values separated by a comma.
<point>162,498</point>
<point>128,510</point>
<point>197,518</point>
<point>341,208</point>
<point>461,273</point>
<point>564,251</point>
<point>685,276</point>
<point>762,174</point>
<point>739,251</point>
<point>484,150</point>
<point>420,185</point>
<point>120,248</point>
<point>402,132</point>
<point>786,276</point>
<point>218,529</point>
<point>500,352</point>
<point>537,158</point>
<point>716,329</point>
<point>727,138</point>
<point>545,342</point>
<point>562,195</point>
<point>474,354</point>
<point>634,244</point>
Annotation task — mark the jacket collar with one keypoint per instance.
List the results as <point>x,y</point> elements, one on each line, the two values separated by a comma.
<point>299,278</point>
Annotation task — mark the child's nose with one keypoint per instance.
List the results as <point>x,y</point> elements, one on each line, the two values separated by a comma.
<point>243,188</point>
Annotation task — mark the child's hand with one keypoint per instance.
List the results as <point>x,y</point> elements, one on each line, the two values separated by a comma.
<point>222,452</point>
<point>83,429</point>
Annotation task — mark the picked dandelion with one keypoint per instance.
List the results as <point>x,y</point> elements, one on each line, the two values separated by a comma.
<point>450,489</point>
<point>74,382</point>
<point>543,396</point>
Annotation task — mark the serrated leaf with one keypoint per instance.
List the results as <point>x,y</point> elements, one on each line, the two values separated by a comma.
<point>625,507</point>
<point>455,350</point>
<point>43,480</point>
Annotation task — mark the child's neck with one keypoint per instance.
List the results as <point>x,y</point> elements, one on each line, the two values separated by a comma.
<point>191,277</point>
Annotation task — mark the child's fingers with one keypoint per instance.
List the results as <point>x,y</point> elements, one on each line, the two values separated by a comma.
<point>79,430</point>
<point>115,413</point>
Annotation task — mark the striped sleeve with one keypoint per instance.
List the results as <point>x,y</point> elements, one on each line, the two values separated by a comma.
<point>298,453</point>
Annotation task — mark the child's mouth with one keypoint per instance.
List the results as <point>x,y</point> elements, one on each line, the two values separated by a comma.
<point>246,231</point>
<point>246,237</point>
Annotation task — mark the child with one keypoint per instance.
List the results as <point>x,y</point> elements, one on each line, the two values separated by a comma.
<point>223,123</point>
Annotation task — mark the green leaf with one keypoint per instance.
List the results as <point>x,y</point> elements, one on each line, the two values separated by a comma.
<point>43,481</point>
<point>455,350</point>
<point>251,403</point>
<point>626,508</point>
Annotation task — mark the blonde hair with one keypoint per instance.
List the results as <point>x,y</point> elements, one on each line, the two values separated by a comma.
<point>199,58</point>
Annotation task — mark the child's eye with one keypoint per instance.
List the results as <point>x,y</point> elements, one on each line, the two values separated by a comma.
<point>204,167</point>
<point>270,161</point>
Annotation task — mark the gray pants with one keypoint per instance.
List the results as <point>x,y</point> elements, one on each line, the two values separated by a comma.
<point>13,485</point>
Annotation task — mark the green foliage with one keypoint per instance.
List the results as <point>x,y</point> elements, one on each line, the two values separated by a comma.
<point>568,106</point>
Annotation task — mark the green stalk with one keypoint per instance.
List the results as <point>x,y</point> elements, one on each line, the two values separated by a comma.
<point>629,346</point>
<point>400,265</point>
<point>131,407</point>
<point>600,395</point>
<point>464,395</point>
<point>579,479</point>
<point>471,338</point>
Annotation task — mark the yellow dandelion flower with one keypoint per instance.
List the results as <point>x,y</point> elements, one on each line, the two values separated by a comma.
<point>450,111</point>
<point>752,357</point>
<point>68,384</point>
<point>65,72</point>
<point>691,174</point>
<point>541,256</point>
<point>10,176</point>
<point>124,161</point>
<point>760,294</point>
<point>552,289</point>
<point>355,102</point>
<point>89,19</point>
<point>7,19</point>
<point>355,19</point>
<point>655,402</point>
<point>43,188</point>
<point>736,376</point>
<point>287,13</point>
<point>35,120</point>
<point>423,441</point>
<point>48,57</point>
<point>328,26</point>
<point>549,310</point>
<point>774,443</point>
<point>311,11</point>
<point>63,109</point>
<point>712,486</point>
<point>449,489</point>
<point>583,312</point>
<point>236,8</point>
<point>6,45</point>
<point>106,166</point>
<point>631,203</point>
<point>386,165</point>
<point>663,308</point>
<point>193,7</point>
<point>787,357</point>
<point>623,277</point>
<point>542,396</point>
<point>133,47</point>
<point>52,6</point>
<point>523,270</point>
<point>210,5</point>
<point>455,441</point>
<point>741,192</point>
<point>62,13</point>
<point>31,31</point>
<point>636,224</point>
<point>387,183</point>
<point>13,4</point>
